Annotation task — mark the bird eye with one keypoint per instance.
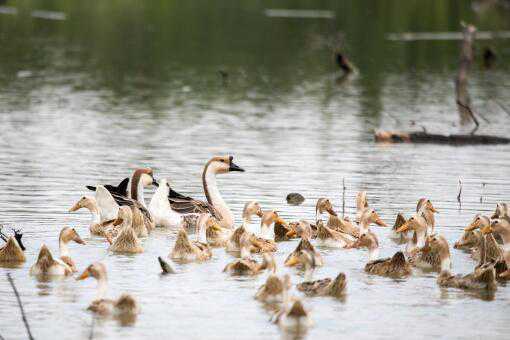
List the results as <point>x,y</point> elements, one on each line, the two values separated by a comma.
<point>83,198</point>
<point>222,160</point>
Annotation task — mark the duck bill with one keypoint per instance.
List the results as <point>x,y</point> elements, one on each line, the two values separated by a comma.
<point>118,221</point>
<point>486,230</point>
<point>331,211</point>
<point>235,167</point>
<point>83,276</point>
<point>380,223</point>
<point>79,240</point>
<point>292,261</point>
<point>75,207</point>
<point>281,221</point>
<point>471,227</point>
<point>434,210</point>
<point>154,182</point>
<point>403,228</point>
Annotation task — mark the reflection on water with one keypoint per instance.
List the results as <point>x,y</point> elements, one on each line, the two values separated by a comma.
<point>118,86</point>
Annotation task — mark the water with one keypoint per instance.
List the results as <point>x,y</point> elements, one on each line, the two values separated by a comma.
<point>113,87</point>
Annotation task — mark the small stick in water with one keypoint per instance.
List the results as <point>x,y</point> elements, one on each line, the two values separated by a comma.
<point>23,316</point>
<point>343,197</point>
<point>483,191</point>
<point>460,192</point>
<point>92,325</point>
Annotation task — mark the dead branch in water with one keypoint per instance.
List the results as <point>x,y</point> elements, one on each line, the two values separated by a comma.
<point>460,192</point>
<point>92,326</point>
<point>23,315</point>
<point>343,197</point>
<point>429,138</point>
<point>471,114</point>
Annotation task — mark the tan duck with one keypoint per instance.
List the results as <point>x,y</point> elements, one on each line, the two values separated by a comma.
<point>334,222</point>
<point>488,249</point>
<point>125,307</point>
<point>216,235</point>
<point>272,290</point>
<point>394,235</point>
<point>140,227</point>
<point>293,317</point>
<point>368,217</point>
<point>395,266</point>
<point>502,211</point>
<point>267,220</point>
<point>469,240</point>
<point>126,241</point>
<point>501,227</point>
<point>250,209</point>
<point>427,258</point>
<point>418,225</point>
<point>361,204</point>
<point>482,278</point>
<point>247,265</point>
<point>325,287</point>
<point>89,203</point>
<point>297,229</point>
<point>11,252</point>
<point>324,206</point>
<point>425,207</point>
<point>67,235</point>
<point>294,258</point>
<point>188,251</point>
<point>327,237</point>
<point>46,265</point>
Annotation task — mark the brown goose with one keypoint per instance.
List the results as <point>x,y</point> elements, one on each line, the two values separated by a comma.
<point>215,205</point>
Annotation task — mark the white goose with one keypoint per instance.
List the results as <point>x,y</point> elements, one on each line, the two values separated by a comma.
<point>160,208</point>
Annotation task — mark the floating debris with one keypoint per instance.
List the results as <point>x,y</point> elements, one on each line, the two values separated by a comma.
<point>295,198</point>
<point>8,10</point>
<point>300,13</point>
<point>416,36</point>
<point>49,15</point>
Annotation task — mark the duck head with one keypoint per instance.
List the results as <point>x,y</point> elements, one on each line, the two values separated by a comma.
<point>502,210</point>
<point>87,202</point>
<point>70,234</point>
<point>222,165</point>
<point>324,205</point>
<point>270,217</point>
<point>416,223</point>
<point>96,270</point>
<point>302,257</point>
<point>437,243</point>
<point>479,221</point>
<point>250,209</point>
<point>366,240</point>
<point>370,216</point>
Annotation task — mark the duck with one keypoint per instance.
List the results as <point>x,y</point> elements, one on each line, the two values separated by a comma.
<point>327,237</point>
<point>267,220</point>
<point>166,268</point>
<point>141,178</point>
<point>324,205</point>
<point>502,210</point>
<point>250,208</point>
<point>418,225</point>
<point>367,217</point>
<point>395,266</point>
<point>188,251</point>
<point>67,235</point>
<point>470,239</point>
<point>123,307</point>
<point>97,227</point>
<point>215,205</point>
<point>249,266</point>
<point>294,258</point>
<point>272,290</point>
<point>361,204</point>
<point>126,241</point>
<point>293,317</point>
<point>336,287</point>
<point>488,249</point>
<point>399,238</point>
<point>482,278</point>
<point>501,227</point>
<point>427,258</point>
<point>46,265</point>
<point>13,250</point>
<point>343,225</point>
<point>216,236</point>
<point>160,208</point>
<point>427,210</point>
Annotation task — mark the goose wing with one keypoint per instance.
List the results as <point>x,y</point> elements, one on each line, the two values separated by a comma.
<point>120,189</point>
<point>123,200</point>
<point>108,207</point>
<point>187,205</point>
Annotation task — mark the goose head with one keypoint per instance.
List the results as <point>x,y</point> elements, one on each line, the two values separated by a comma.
<point>96,270</point>
<point>370,216</point>
<point>469,239</point>
<point>145,176</point>
<point>324,205</point>
<point>479,221</point>
<point>70,234</point>
<point>222,165</point>
<point>87,202</point>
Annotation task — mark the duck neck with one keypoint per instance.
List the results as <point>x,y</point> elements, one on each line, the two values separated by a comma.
<point>420,238</point>
<point>445,264</point>
<point>308,273</point>
<point>214,197</point>
<point>265,231</point>
<point>373,253</point>
<point>94,211</point>
<point>102,285</point>
<point>64,249</point>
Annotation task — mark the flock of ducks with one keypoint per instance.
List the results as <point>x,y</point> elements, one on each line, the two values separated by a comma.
<point>120,215</point>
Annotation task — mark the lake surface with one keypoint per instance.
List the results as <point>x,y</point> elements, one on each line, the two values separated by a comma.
<point>116,86</point>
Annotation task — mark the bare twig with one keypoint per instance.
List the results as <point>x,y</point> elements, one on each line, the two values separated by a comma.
<point>483,191</point>
<point>460,192</point>
<point>471,114</point>
<point>24,317</point>
<point>92,325</point>
<point>501,106</point>
<point>343,197</point>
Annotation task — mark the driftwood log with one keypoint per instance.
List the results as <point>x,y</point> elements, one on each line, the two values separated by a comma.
<point>429,138</point>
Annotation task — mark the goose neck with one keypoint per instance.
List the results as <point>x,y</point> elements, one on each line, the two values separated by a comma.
<point>214,197</point>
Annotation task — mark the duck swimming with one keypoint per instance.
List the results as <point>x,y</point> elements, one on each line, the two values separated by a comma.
<point>482,278</point>
<point>46,265</point>
<point>399,237</point>
<point>188,251</point>
<point>126,241</point>
<point>215,204</point>
<point>250,209</point>
<point>294,258</point>
<point>67,235</point>
<point>327,237</point>
<point>125,307</point>
<point>488,249</point>
<point>12,251</point>
<point>87,202</point>
<point>427,210</point>
<point>267,220</point>
<point>367,217</point>
<point>293,317</point>
<point>501,227</point>
<point>272,290</point>
<point>418,224</point>
<point>325,287</point>
<point>361,204</point>
<point>395,266</point>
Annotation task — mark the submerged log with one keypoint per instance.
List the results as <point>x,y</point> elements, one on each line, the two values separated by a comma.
<point>429,138</point>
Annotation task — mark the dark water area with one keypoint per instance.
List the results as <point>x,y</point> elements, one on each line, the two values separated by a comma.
<point>119,85</point>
